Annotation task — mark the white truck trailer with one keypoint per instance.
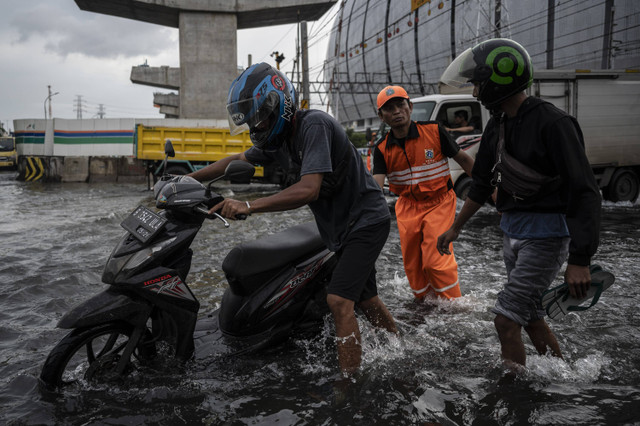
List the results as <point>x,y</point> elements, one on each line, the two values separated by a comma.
<point>606,104</point>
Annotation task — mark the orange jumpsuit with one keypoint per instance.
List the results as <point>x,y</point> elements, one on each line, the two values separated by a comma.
<point>426,208</point>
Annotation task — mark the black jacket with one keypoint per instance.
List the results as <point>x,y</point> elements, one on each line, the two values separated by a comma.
<point>550,141</point>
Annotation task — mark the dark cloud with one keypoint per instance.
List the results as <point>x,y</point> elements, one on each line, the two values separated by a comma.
<point>69,30</point>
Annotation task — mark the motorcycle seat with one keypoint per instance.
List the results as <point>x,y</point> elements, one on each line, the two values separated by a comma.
<point>252,263</point>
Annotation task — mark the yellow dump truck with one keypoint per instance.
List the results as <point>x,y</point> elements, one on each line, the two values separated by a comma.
<point>8,155</point>
<point>195,148</point>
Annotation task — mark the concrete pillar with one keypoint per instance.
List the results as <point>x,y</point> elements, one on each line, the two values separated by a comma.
<point>208,58</point>
<point>49,134</point>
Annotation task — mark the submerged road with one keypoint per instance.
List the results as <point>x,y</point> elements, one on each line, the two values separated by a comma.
<point>444,369</point>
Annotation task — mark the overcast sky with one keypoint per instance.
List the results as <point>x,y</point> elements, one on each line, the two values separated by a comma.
<point>53,42</point>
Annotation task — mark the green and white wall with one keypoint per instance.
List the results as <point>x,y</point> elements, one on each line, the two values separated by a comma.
<point>77,150</point>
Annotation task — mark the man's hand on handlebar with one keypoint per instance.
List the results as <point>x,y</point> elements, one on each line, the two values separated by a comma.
<point>231,209</point>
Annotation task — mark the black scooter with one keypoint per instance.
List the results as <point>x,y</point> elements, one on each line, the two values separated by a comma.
<point>277,287</point>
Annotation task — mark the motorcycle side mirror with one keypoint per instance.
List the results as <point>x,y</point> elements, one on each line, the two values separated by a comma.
<point>168,152</point>
<point>239,171</point>
<point>168,149</point>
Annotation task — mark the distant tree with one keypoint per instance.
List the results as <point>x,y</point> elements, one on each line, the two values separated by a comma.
<point>358,139</point>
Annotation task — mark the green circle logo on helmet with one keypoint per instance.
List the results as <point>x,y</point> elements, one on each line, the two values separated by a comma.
<point>500,67</point>
<point>507,64</point>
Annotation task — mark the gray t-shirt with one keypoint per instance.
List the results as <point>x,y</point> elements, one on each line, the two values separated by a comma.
<point>350,199</point>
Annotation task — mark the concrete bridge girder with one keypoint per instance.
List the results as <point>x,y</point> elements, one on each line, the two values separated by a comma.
<point>250,13</point>
<point>169,104</point>
<point>169,99</point>
<point>208,42</point>
<point>169,111</point>
<point>164,77</point>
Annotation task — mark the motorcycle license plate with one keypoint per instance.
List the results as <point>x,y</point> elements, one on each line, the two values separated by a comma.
<point>143,224</point>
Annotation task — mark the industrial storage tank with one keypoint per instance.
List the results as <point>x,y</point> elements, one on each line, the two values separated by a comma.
<point>374,43</point>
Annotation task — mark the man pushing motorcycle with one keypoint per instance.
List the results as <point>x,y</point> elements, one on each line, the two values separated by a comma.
<point>349,207</point>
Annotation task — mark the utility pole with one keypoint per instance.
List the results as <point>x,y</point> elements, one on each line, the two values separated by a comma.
<point>304,102</point>
<point>48,98</point>
<point>551,29</point>
<point>49,89</point>
<point>608,34</point>
<point>497,17</point>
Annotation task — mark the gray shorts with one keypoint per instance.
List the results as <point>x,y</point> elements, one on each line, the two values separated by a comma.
<point>532,265</point>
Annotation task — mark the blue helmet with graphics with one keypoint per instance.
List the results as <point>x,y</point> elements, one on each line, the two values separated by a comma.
<point>499,67</point>
<point>263,101</point>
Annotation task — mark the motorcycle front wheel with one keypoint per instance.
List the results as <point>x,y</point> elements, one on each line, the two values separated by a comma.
<point>92,354</point>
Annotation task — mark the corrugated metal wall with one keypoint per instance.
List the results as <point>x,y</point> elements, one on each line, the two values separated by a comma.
<point>378,42</point>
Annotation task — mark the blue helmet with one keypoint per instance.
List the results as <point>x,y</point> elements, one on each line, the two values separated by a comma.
<point>263,101</point>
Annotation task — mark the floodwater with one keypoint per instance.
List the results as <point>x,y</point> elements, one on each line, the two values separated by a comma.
<point>444,369</point>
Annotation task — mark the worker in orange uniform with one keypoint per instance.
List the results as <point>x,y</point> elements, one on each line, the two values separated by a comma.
<point>414,159</point>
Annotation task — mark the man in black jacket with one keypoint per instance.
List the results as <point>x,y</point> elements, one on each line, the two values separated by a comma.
<point>561,217</point>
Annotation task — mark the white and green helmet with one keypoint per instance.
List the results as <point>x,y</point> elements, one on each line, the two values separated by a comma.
<point>501,68</point>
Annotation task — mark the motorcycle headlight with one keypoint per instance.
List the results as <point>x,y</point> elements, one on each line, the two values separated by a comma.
<point>116,266</point>
<point>146,254</point>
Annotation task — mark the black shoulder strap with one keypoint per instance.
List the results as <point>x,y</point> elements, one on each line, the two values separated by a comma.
<point>499,142</point>
<point>500,145</point>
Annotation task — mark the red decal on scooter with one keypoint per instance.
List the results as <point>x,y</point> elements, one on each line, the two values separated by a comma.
<point>156,280</point>
<point>171,286</point>
<point>291,287</point>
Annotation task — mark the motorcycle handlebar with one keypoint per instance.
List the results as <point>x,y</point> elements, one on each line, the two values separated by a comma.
<point>203,210</point>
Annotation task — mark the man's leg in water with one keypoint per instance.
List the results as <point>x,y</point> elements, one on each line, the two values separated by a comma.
<point>532,265</point>
<point>512,347</point>
<point>353,280</point>
<point>347,333</point>
<point>378,314</point>
<point>542,338</point>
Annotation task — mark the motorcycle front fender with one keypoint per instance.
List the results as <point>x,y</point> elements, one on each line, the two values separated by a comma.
<point>104,307</point>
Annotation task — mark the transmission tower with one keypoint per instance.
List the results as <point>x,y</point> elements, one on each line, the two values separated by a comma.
<point>101,111</point>
<point>79,108</point>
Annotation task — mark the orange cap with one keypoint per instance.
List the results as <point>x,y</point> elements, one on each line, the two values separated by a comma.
<point>391,92</point>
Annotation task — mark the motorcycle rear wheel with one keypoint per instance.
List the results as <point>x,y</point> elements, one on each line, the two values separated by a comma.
<point>92,354</point>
